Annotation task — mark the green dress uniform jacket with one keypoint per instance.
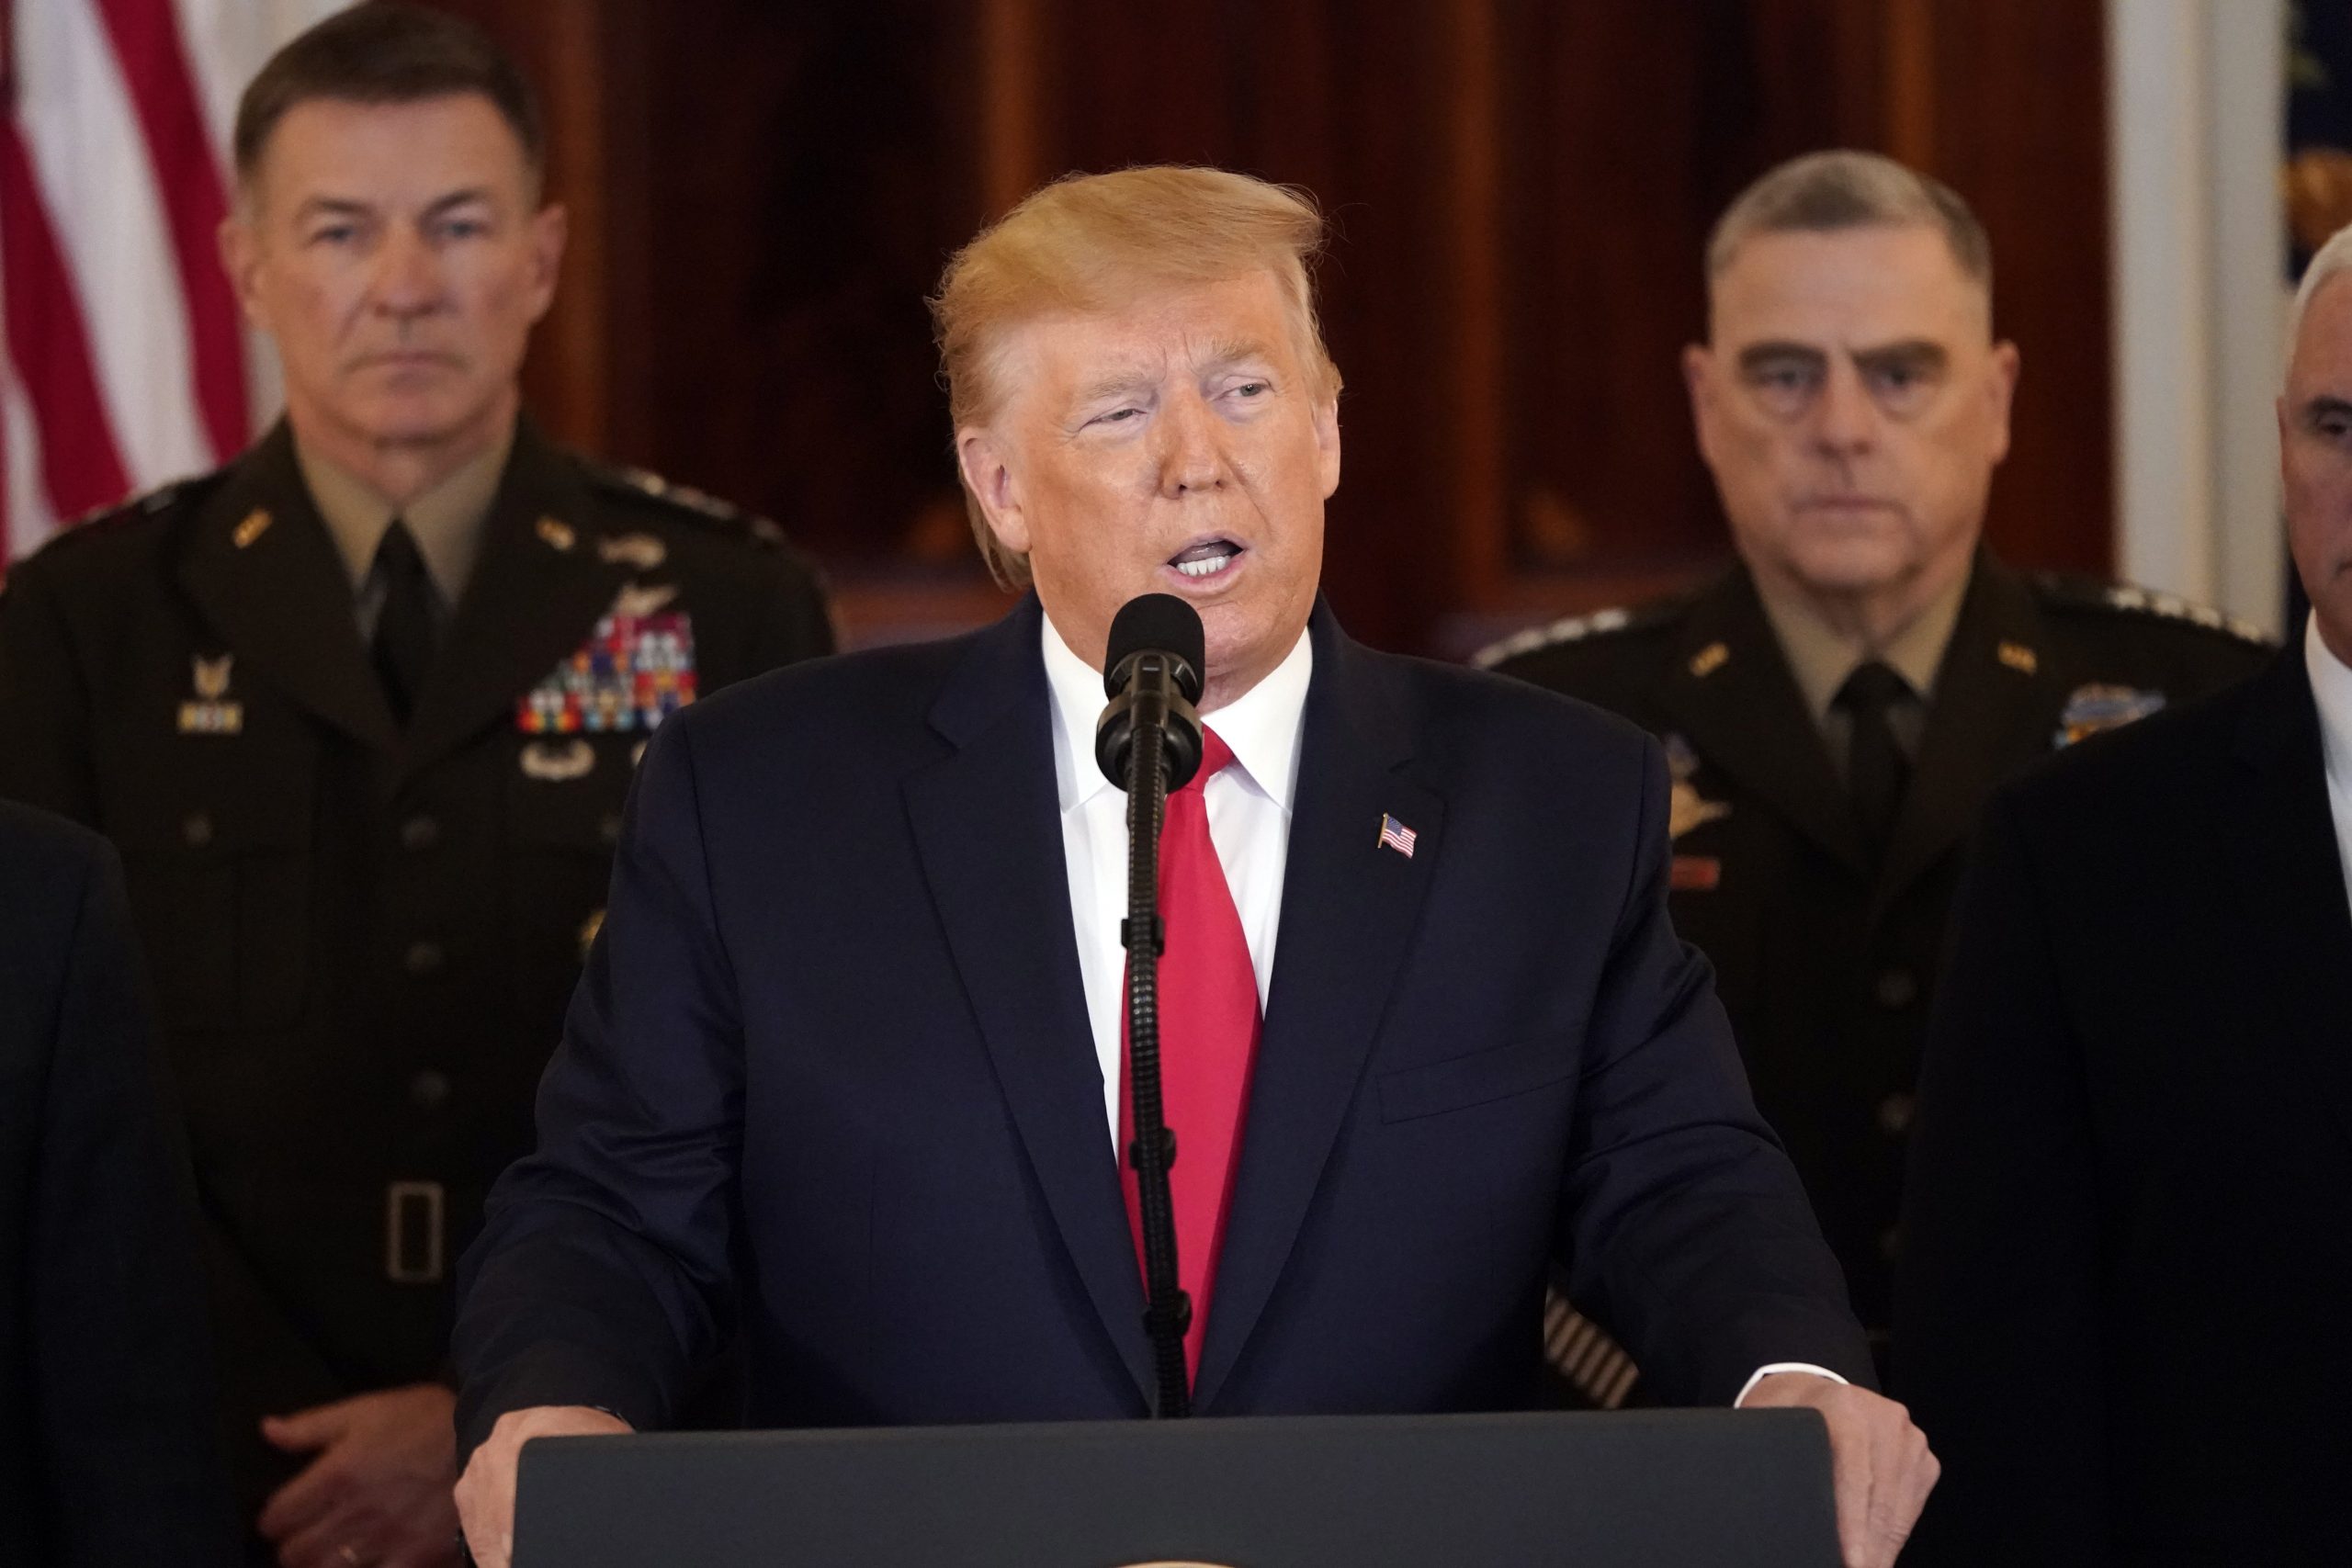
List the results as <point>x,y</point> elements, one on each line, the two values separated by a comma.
<point>364,938</point>
<point>1826,963</point>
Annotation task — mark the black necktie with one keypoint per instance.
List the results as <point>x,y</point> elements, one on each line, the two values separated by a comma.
<point>402,650</point>
<point>1876,770</point>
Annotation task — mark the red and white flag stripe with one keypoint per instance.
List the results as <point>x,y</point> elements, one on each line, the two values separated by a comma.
<point>123,361</point>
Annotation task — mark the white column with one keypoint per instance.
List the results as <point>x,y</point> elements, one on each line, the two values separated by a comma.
<point>2196,117</point>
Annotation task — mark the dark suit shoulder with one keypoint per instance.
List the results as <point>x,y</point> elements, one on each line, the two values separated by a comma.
<point>46,863</point>
<point>1471,706</point>
<point>850,697</point>
<point>39,844</point>
<point>2105,785</point>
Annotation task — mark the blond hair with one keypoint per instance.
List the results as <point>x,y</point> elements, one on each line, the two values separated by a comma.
<point>1089,243</point>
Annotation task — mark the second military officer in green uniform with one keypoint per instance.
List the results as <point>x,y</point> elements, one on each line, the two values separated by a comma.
<point>359,711</point>
<point>1836,708</point>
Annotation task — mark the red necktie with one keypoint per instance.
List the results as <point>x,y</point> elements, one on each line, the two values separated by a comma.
<point>1208,1038</point>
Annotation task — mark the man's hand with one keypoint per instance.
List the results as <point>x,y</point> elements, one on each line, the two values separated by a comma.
<point>377,1494</point>
<point>486,1492</point>
<point>1878,1460</point>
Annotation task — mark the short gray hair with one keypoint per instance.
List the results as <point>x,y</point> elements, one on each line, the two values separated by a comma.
<point>1825,192</point>
<point>2327,261</point>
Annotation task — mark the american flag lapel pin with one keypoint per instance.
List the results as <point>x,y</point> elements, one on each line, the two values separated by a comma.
<point>1395,835</point>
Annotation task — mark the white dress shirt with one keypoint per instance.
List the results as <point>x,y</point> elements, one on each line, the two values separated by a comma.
<point>2332,689</point>
<point>1249,808</point>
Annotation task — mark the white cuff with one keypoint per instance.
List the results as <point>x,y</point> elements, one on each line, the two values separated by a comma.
<point>1767,1369</point>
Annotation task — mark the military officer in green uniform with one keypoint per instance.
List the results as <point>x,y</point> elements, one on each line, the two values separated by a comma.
<point>359,711</point>
<point>1836,705</point>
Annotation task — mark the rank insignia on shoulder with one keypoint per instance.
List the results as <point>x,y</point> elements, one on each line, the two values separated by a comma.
<point>551,763</point>
<point>631,674</point>
<point>2094,707</point>
<point>556,533</point>
<point>211,713</point>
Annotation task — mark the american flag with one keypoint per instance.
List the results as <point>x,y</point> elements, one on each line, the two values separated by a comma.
<point>1395,835</point>
<point>124,361</point>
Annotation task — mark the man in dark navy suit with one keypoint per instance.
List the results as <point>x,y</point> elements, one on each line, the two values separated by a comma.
<point>845,1068</point>
<point>2123,1309</point>
<point>106,1450</point>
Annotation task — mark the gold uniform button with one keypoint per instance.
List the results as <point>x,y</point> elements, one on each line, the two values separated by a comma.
<point>1897,990</point>
<point>420,832</point>
<point>1894,1114</point>
<point>429,1091</point>
<point>196,830</point>
<point>423,958</point>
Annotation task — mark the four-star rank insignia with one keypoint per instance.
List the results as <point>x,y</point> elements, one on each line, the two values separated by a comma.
<point>2094,707</point>
<point>635,670</point>
<point>212,712</point>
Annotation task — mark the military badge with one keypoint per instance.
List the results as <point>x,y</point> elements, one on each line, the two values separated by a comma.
<point>211,713</point>
<point>550,763</point>
<point>2095,707</point>
<point>642,551</point>
<point>1687,810</point>
<point>637,602</point>
<point>631,674</point>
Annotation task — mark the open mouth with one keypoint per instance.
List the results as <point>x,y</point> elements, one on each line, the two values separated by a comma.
<point>1207,559</point>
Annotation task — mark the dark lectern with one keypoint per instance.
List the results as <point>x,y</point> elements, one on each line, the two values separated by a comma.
<point>1669,1489</point>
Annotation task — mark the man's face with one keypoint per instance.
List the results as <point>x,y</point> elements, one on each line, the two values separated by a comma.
<point>397,255</point>
<point>1179,446</point>
<point>1852,406</point>
<point>2315,459</point>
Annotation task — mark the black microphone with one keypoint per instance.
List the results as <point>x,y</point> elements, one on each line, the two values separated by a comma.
<point>1152,673</point>
<point>1149,740</point>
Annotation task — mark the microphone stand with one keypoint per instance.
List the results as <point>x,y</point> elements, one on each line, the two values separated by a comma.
<point>1168,1311</point>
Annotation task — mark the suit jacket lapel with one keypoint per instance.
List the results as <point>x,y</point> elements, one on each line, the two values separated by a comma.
<point>1990,716</point>
<point>2291,876</point>
<point>987,825</point>
<point>1730,694</point>
<point>537,590</point>
<point>1349,905</point>
<point>259,566</point>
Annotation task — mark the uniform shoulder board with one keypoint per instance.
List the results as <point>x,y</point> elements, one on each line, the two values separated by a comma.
<point>102,520</point>
<point>1598,625</point>
<point>698,505</point>
<point>2124,599</point>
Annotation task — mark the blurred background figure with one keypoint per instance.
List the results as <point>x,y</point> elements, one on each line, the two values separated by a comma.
<point>360,709</point>
<point>2120,1310</point>
<point>1836,706</point>
<point>106,1450</point>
